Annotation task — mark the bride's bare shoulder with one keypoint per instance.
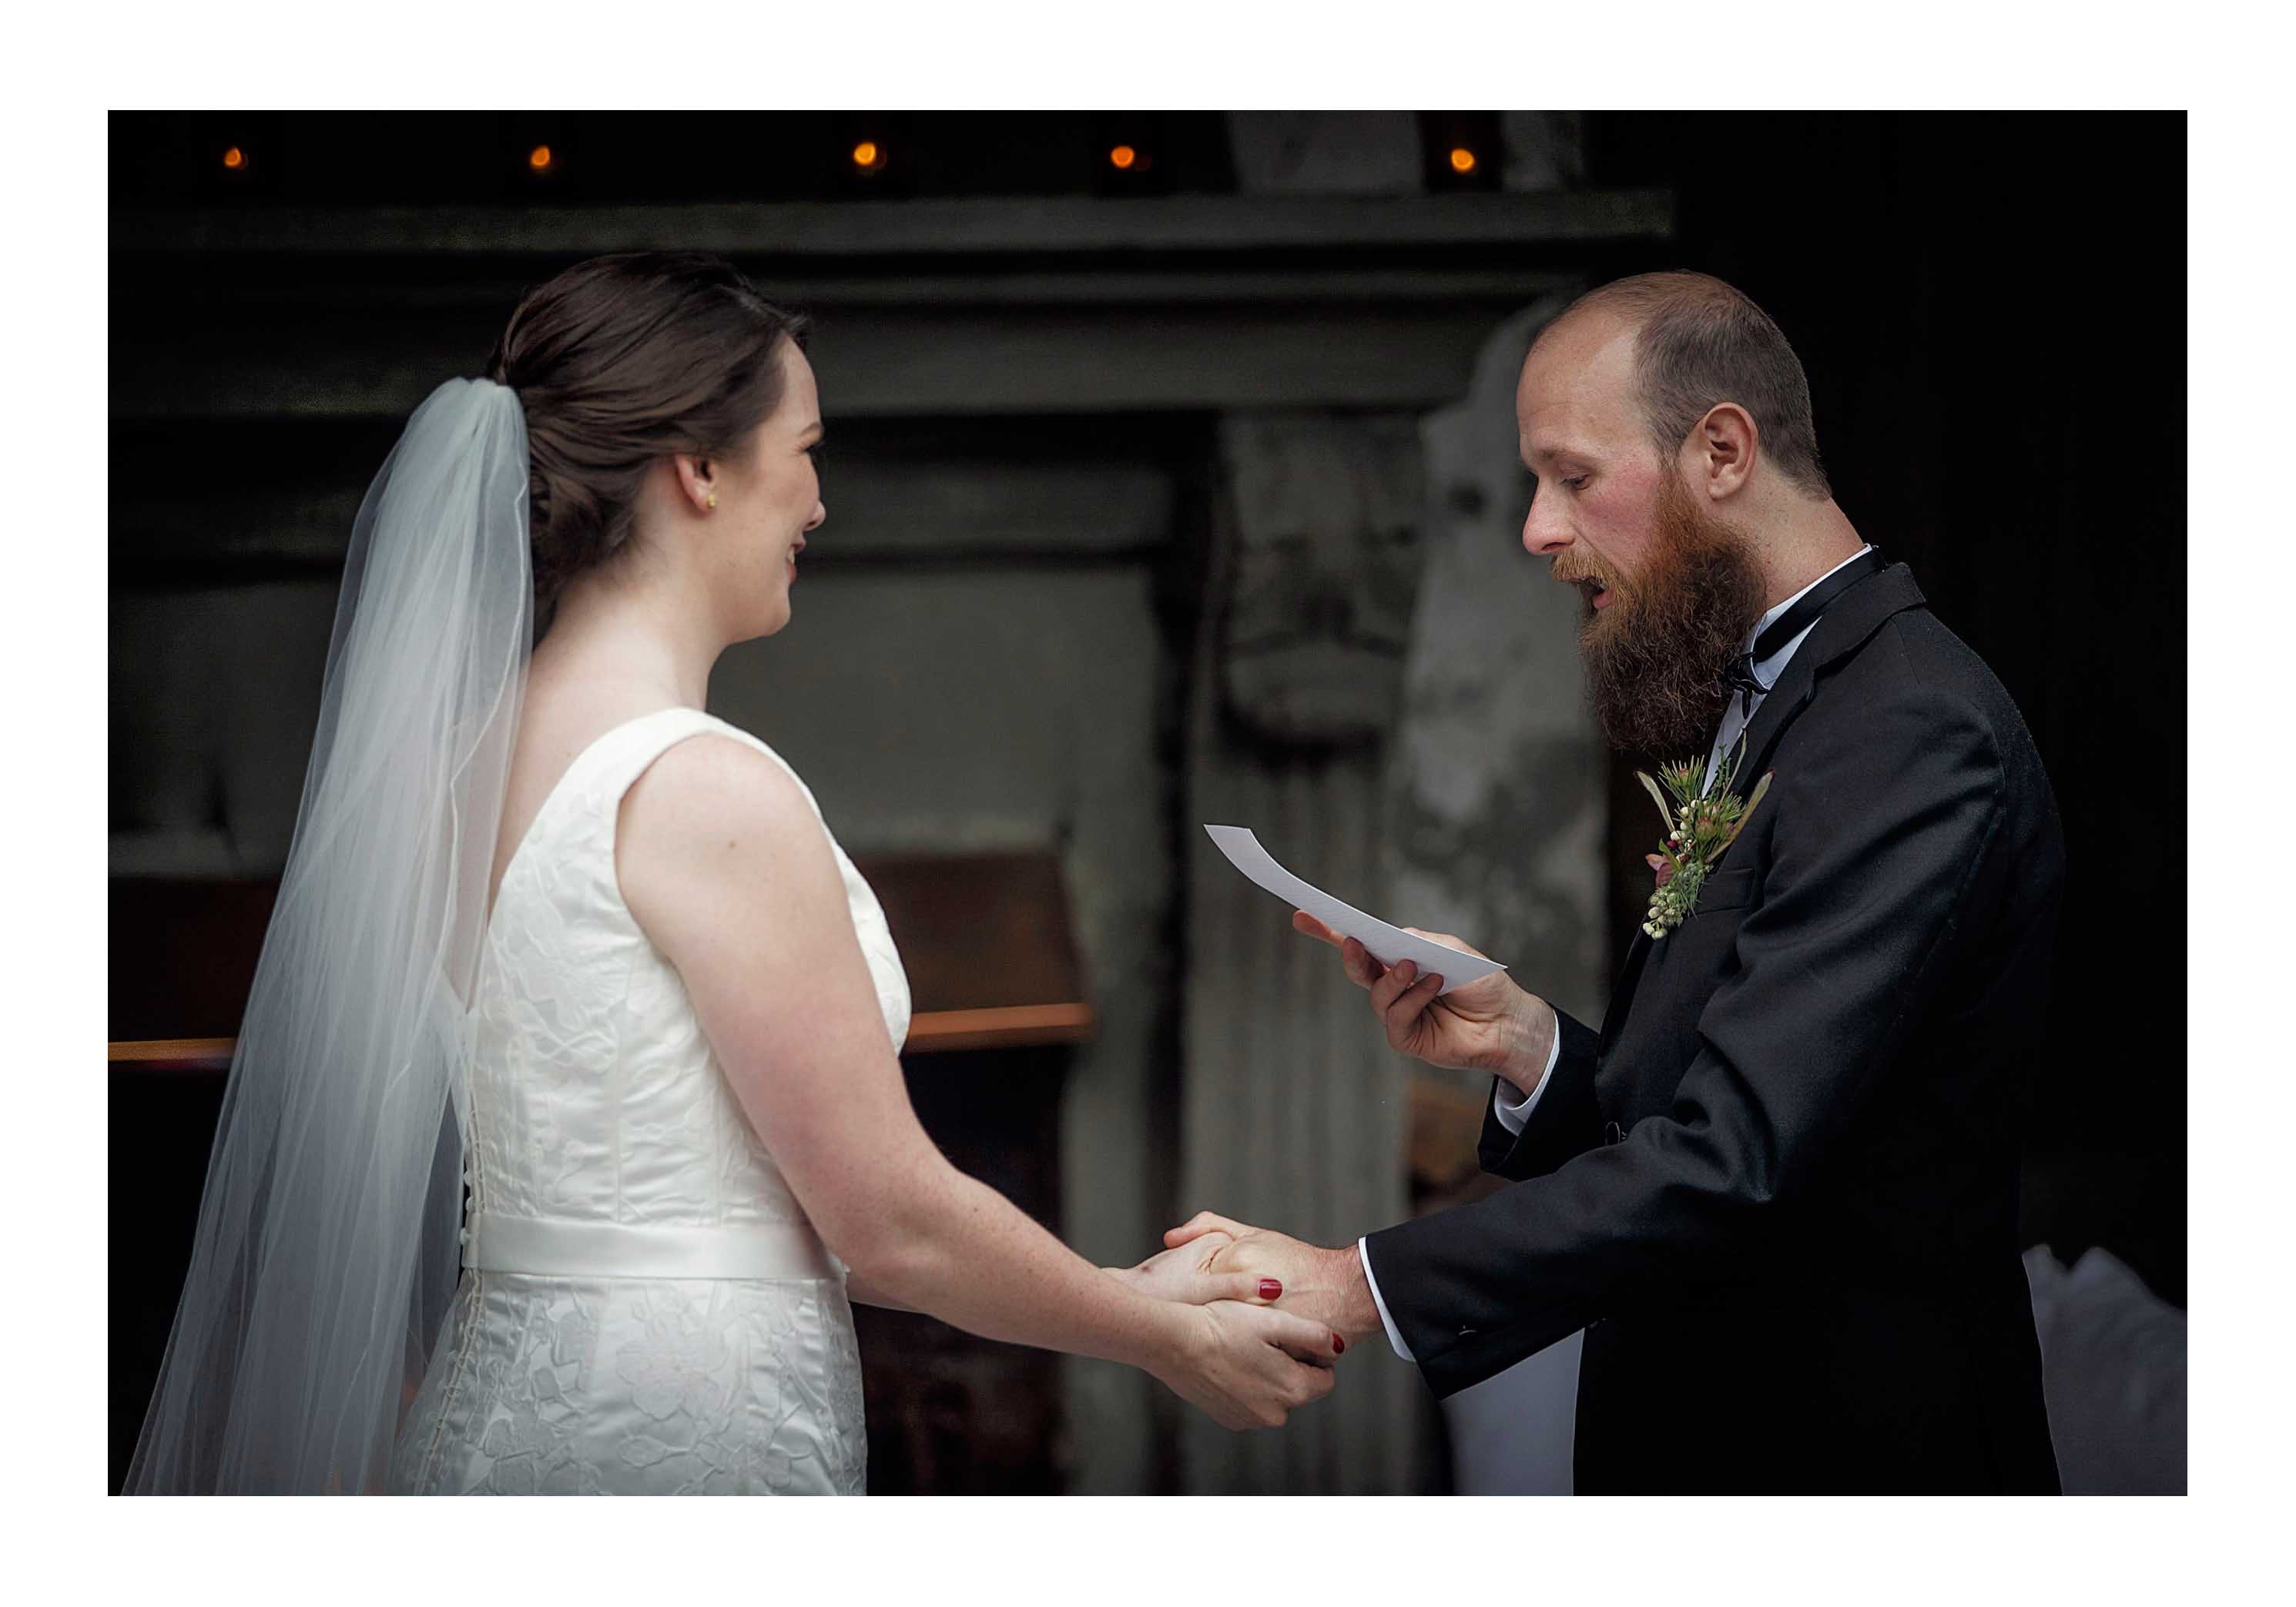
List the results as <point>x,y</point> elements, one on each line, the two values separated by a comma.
<point>706,786</point>
<point>712,813</point>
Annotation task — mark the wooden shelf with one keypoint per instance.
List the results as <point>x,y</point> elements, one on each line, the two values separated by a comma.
<point>184,1053</point>
<point>930,1032</point>
<point>986,940</point>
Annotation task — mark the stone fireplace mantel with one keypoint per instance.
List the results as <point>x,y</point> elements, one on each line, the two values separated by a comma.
<point>923,308</point>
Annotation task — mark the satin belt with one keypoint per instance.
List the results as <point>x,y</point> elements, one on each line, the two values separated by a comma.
<point>494,1242</point>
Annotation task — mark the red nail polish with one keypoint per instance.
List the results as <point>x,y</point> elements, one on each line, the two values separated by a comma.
<point>1271,1289</point>
<point>1337,1345</point>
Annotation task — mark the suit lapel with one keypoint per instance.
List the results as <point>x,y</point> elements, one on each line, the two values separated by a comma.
<point>1845,626</point>
<point>1622,994</point>
<point>1783,702</point>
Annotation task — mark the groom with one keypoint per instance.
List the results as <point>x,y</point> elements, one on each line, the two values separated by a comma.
<point>1778,1186</point>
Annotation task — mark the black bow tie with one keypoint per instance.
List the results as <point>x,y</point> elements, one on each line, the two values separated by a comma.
<point>1738,676</point>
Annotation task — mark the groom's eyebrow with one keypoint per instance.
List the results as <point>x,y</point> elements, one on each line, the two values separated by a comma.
<point>1534,456</point>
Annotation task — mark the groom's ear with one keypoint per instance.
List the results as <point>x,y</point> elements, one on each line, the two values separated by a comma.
<point>1721,449</point>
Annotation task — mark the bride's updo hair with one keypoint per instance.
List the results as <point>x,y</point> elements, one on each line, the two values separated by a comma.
<point>621,360</point>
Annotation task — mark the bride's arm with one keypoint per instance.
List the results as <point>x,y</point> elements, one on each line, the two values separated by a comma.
<point>726,869</point>
<point>863,1292</point>
<point>1181,1273</point>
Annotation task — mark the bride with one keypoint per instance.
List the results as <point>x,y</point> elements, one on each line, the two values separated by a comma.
<point>565,1118</point>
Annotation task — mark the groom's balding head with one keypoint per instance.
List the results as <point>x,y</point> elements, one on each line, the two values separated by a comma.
<point>1685,343</point>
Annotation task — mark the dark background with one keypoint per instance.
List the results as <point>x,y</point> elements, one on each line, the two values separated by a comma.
<point>1989,309</point>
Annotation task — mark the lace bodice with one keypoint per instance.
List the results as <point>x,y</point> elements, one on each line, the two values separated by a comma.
<point>592,1091</point>
<point>645,1308</point>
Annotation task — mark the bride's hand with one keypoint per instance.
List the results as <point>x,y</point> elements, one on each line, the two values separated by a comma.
<point>1185,1275</point>
<point>1249,1369</point>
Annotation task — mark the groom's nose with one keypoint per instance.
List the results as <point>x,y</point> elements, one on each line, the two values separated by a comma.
<point>1544,531</point>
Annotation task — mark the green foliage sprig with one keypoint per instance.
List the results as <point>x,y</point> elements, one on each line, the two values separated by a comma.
<point>1701,817</point>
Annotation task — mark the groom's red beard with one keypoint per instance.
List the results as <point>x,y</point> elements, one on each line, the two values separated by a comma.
<point>1655,653</point>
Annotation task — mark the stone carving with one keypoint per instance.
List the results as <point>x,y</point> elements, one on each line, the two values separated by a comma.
<point>1498,812</point>
<point>1327,513</point>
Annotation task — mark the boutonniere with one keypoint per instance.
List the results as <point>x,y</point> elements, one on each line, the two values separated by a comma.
<point>1703,819</point>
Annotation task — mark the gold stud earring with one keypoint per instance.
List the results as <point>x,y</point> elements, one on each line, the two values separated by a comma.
<point>713,499</point>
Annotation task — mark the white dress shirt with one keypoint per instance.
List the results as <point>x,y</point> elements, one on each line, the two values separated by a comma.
<point>1515,1114</point>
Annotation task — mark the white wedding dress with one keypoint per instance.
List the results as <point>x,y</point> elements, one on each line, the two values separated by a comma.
<point>643,1307</point>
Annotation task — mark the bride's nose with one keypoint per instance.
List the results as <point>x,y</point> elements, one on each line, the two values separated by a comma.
<point>820,513</point>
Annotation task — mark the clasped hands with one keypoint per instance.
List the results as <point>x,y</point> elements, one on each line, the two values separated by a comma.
<point>1246,1365</point>
<point>1488,1025</point>
<point>1212,1257</point>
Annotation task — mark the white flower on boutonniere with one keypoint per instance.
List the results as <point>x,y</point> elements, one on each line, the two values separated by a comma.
<point>1701,822</point>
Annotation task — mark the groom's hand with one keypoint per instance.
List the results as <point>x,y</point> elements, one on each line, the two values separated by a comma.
<point>1486,1025</point>
<point>1328,1285</point>
<point>1186,1274</point>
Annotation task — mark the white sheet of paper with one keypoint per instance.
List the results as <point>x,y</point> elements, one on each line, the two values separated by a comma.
<point>1389,945</point>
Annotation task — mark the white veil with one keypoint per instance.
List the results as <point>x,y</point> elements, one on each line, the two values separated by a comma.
<point>327,1251</point>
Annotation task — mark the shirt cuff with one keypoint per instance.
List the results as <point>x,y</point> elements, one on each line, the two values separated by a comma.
<point>1394,1335</point>
<point>1514,1118</point>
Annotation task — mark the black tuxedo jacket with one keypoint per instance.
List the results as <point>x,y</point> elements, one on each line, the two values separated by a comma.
<point>1779,1188</point>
